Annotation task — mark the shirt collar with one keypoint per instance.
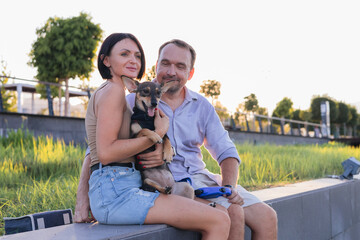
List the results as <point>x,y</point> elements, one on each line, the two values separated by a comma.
<point>190,95</point>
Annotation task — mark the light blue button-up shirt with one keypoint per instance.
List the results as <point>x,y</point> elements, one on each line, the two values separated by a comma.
<point>193,124</point>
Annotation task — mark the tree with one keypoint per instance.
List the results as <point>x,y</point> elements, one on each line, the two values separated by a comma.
<point>316,111</point>
<point>211,88</point>
<point>305,115</point>
<point>343,116</point>
<point>237,115</point>
<point>344,113</point>
<point>354,116</point>
<point>251,103</point>
<point>8,98</point>
<point>221,111</point>
<point>65,49</point>
<point>354,119</point>
<point>150,73</point>
<point>283,108</point>
<point>296,116</point>
<point>262,111</point>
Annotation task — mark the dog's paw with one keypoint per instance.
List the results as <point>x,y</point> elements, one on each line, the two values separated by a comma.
<point>156,138</point>
<point>168,156</point>
<point>153,136</point>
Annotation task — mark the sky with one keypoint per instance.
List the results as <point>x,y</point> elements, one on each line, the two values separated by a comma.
<point>272,48</point>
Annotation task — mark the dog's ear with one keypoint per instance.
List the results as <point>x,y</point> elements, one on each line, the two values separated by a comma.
<point>130,83</point>
<point>167,85</point>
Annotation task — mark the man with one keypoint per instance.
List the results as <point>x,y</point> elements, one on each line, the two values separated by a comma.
<point>193,122</point>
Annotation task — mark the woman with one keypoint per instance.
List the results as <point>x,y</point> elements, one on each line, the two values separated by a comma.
<point>115,197</point>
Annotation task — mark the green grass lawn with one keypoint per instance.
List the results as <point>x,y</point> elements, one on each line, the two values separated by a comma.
<point>40,174</point>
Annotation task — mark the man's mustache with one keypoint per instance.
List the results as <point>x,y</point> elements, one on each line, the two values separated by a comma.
<point>170,78</point>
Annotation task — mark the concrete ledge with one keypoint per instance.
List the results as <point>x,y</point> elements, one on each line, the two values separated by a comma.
<point>317,209</point>
<point>69,129</point>
<point>96,231</point>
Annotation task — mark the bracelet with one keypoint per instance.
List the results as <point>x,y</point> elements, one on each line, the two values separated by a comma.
<point>174,151</point>
<point>229,186</point>
<point>161,140</point>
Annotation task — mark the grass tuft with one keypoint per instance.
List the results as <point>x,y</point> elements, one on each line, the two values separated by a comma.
<point>40,174</point>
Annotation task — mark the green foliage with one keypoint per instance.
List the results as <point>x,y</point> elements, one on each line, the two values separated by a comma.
<point>150,73</point>
<point>37,174</point>
<point>262,111</point>
<point>296,116</point>
<point>211,88</point>
<point>38,157</point>
<point>237,115</point>
<point>344,113</point>
<point>40,174</point>
<point>305,115</point>
<point>251,103</point>
<point>283,108</point>
<point>65,48</point>
<point>316,111</point>
<point>267,165</point>
<point>221,111</point>
<point>8,98</point>
<point>354,116</point>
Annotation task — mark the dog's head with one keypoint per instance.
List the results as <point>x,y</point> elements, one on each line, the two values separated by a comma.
<point>148,94</point>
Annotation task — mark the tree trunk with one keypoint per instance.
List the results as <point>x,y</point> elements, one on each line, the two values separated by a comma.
<point>67,96</point>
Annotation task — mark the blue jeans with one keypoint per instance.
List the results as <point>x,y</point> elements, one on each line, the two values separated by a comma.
<point>115,197</point>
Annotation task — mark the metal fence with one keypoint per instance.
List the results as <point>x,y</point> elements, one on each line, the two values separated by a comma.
<point>249,122</point>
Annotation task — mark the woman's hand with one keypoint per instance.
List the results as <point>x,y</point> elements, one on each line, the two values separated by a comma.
<point>152,159</point>
<point>161,122</point>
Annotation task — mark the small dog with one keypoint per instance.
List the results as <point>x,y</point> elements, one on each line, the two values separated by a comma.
<point>159,178</point>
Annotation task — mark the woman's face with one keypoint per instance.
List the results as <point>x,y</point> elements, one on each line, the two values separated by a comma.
<point>124,59</point>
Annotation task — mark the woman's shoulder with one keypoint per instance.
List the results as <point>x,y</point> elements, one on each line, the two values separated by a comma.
<point>110,92</point>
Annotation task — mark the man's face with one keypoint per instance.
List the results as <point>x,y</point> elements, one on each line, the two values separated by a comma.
<point>174,64</point>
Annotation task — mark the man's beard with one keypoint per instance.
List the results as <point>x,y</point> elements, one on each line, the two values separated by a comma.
<point>175,88</point>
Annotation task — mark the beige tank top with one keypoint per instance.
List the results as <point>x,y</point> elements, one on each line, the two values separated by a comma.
<point>91,121</point>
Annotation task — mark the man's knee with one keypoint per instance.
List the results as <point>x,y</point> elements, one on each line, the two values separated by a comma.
<point>270,214</point>
<point>236,213</point>
<point>260,217</point>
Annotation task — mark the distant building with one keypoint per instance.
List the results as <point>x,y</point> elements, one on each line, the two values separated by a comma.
<point>29,101</point>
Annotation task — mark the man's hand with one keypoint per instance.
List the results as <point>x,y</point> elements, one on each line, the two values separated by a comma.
<point>235,198</point>
<point>152,159</point>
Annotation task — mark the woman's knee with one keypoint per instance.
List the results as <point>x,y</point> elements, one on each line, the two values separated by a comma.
<point>221,222</point>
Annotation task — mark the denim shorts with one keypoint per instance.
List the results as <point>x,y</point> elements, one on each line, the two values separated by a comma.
<point>202,180</point>
<point>115,197</point>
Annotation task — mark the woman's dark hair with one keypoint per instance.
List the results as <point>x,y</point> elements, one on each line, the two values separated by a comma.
<point>105,50</point>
